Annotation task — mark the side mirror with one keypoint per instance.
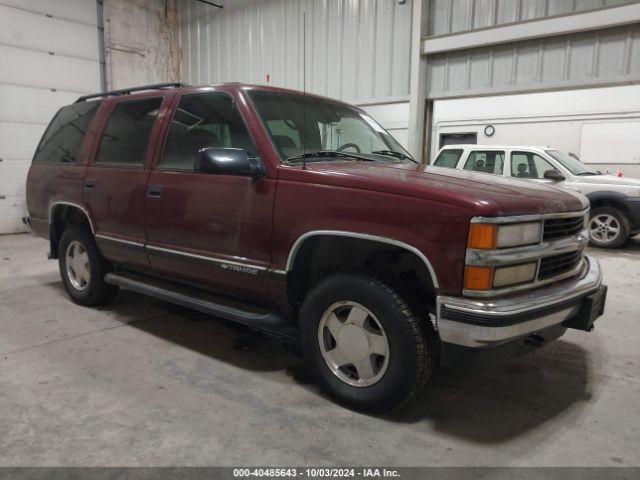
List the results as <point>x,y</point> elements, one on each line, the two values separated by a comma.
<point>228,161</point>
<point>554,175</point>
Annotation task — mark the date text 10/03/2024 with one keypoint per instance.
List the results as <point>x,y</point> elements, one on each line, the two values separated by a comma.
<point>317,472</point>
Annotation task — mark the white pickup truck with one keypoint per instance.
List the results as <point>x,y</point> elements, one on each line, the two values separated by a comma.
<point>615,201</point>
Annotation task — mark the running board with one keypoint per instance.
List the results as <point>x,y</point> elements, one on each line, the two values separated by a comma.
<point>201,301</point>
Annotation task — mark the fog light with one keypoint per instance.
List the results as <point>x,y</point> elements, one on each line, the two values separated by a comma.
<point>513,275</point>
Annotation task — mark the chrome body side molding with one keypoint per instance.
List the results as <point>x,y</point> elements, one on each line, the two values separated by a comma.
<point>231,265</point>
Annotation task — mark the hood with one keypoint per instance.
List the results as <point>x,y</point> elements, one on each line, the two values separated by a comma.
<point>484,194</point>
<point>609,180</point>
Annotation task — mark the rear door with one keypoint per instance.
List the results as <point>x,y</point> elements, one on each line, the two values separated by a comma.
<point>115,182</point>
<point>209,229</point>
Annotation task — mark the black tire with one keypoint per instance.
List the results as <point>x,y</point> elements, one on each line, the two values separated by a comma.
<point>412,342</point>
<point>624,230</point>
<point>94,292</point>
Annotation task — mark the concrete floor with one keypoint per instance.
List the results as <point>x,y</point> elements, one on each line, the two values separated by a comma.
<point>140,383</point>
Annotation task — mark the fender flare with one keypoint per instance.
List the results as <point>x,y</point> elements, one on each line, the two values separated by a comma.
<point>362,236</point>
<point>53,206</point>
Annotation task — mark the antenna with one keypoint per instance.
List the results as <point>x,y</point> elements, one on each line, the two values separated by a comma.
<point>304,90</point>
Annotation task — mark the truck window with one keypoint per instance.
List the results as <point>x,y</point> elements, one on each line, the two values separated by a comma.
<point>62,140</point>
<point>125,138</point>
<point>528,165</point>
<point>203,120</point>
<point>487,161</point>
<point>448,158</point>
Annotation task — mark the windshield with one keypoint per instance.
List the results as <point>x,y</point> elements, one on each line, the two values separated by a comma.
<point>574,165</point>
<point>300,125</point>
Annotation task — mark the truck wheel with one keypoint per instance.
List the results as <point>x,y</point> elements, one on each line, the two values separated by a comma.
<point>608,227</point>
<point>363,343</point>
<point>82,268</point>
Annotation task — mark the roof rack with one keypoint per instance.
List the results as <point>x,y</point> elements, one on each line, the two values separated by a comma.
<point>126,91</point>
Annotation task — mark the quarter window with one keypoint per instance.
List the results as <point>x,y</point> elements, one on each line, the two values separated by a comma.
<point>62,141</point>
<point>528,165</point>
<point>126,136</point>
<point>487,161</point>
<point>448,158</point>
<point>203,120</point>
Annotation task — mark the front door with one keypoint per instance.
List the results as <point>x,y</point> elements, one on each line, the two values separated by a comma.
<point>531,166</point>
<point>115,182</point>
<point>209,229</point>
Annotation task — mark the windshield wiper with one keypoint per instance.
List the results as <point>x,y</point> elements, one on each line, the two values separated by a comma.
<point>391,153</point>
<point>329,154</point>
<point>590,173</point>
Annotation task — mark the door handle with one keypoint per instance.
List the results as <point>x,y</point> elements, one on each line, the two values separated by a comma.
<point>89,184</point>
<point>155,190</point>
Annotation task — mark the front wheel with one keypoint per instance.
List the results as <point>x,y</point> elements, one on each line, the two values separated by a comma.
<point>363,343</point>
<point>82,268</point>
<point>608,227</point>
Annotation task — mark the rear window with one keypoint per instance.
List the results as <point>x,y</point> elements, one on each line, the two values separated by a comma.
<point>448,158</point>
<point>62,140</point>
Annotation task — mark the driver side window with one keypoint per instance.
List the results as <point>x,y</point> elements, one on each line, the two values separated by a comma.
<point>203,120</point>
<point>528,165</point>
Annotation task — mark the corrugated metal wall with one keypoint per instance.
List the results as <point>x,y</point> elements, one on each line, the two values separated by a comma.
<point>356,50</point>
<point>454,16</point>
<point>609,56</point>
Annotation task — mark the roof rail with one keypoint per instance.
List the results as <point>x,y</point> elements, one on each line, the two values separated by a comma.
<point>126,91</point>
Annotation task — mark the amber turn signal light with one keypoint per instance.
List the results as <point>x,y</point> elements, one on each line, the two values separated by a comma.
<point>478,278</point>
<point>483,236</point>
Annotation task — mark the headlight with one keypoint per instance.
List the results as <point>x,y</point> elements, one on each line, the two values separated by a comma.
<point>488,236</point>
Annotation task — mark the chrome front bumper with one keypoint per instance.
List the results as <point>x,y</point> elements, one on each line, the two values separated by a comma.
<point>482,323</point>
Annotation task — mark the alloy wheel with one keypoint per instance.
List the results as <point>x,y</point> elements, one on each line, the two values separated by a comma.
<point>78,267</point>
<point>604,228</point>
<point>353,344</point>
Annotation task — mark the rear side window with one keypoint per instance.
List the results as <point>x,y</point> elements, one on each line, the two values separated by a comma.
<point>448,158</point>
<point>203,120</point>
<point>488,161</point>
<point>126,136</point>
<point>62,140</point>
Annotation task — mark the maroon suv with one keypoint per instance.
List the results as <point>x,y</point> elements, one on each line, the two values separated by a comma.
<point>301,216</point>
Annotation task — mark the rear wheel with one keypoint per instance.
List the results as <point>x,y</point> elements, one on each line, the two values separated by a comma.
<point>608,227</point>
<point>82,268</point>
<point>363,344</point>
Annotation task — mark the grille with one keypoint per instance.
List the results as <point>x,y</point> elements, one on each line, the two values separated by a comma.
<point>558,264</point>
<point>562,227</point>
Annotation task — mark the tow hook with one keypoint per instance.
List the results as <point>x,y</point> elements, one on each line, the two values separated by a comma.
<point>534,340</point>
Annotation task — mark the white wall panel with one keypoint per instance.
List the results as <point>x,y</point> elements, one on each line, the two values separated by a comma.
<point>19,140</point>
<point>79,11</point>
<point>34,31</point>
<point>601,125</point>
<point>355,50</point>
<point>40,108</point>
<point>36,69</point>
<point>48,57</point>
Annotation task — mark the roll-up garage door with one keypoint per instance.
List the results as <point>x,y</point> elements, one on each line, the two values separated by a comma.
<point>49,55</point>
